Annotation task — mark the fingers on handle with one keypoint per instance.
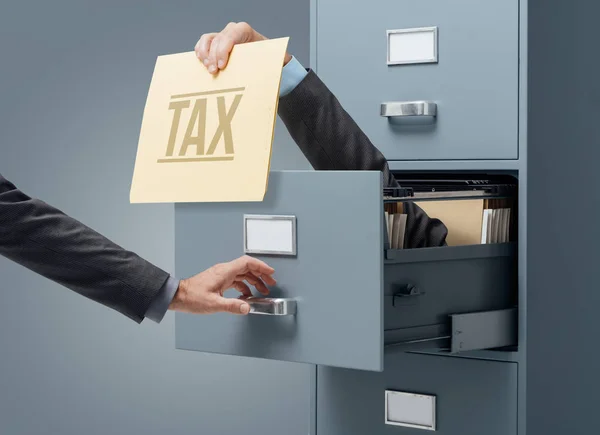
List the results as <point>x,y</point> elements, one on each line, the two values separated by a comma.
<point>251,264</point>
<point>251,270</point>
<point>261,270</point>
<point>254,280</point>
<point>242,288</point>
<point>268,279</point>
<point>234,306</point>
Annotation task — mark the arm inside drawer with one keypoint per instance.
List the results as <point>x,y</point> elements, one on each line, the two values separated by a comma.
<point>438,210</point>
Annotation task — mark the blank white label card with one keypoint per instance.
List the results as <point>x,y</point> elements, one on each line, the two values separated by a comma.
<point>267,234</point>
<point>410,410</point>
<point>412,46</point>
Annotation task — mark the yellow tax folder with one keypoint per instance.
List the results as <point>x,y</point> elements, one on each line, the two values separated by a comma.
<point>208,138</point>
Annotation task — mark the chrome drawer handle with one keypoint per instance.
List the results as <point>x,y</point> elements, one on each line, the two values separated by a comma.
<point>272,306</point>
<point>408,108</point>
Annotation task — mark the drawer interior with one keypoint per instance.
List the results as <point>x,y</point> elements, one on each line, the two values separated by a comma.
<point>463,295</point>
<point>474,208</point>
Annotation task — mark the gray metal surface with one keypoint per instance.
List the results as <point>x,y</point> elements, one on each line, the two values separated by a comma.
<point>74,79</point>
<point>473,397</point>
<point>475,82</point>
<point>461,333</point>
<point>446,281</point>
<point>563,297</point>
<point>505,140</point>
<point>336,278</point>
<point>484,330</point>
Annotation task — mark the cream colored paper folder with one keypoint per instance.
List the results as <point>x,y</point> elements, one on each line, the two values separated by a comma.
<point>463,218</point>
<point>208,138</point>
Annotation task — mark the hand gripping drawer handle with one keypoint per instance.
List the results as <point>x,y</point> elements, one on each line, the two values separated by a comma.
<point>272,306</point>
<point>401,109</point>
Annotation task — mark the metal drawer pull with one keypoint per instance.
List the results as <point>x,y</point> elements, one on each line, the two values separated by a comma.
<point>408,108</point>
<point>272,306</point>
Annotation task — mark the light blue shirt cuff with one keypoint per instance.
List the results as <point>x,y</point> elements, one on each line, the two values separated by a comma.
<point>159,306</point>
<point>293,73</point>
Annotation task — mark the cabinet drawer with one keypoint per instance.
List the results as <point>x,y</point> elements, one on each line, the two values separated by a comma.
<point>427,290</point>
<point>473,83</point>
<point>341,278</point>
<point>472,397</point>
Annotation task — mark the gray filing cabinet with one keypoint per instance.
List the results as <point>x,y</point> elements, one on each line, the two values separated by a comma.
<point>471,78</point>
<point>346,315</point>
<point>377,359</point>
<point>446,305</point>
<point>471,397</point>
<point>474,80</point>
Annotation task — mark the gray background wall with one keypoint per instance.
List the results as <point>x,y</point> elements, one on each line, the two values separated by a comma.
<point>73,80</point>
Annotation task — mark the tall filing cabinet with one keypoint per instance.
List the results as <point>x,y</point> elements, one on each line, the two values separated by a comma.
<point>477,45</point>
<point>404,341</point>
<point>463,57</point>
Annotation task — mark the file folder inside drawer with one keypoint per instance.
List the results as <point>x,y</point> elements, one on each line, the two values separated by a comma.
<point>343,293</point>
<point>473,208</point>
<point>463,295</point>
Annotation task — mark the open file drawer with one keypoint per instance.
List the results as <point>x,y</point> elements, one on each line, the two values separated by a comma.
<point>340,280</point>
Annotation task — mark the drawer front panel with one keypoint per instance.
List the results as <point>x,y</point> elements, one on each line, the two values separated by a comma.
<point>474,83</point>
<point>472,397</point>
<point>335,277</point>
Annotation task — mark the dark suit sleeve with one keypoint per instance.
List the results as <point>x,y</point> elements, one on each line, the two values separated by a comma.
<point>56,246</point>
<point>331,140</point>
